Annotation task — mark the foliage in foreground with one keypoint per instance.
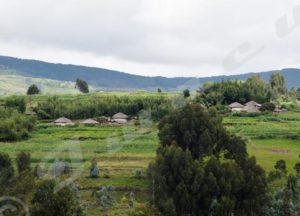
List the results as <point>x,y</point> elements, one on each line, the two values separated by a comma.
<point>202,170</point>
<point>46,201</point>
<point>14,125</point>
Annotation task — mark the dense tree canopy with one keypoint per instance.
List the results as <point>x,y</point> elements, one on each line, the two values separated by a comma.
<point>193,128</point>
<point>254,88</point>
<point>94,106</point>
<point>277,82</point>
<point>201,169</point>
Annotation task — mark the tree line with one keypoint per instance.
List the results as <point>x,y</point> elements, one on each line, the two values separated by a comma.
<point>254,88</point>
<point>94,106</point>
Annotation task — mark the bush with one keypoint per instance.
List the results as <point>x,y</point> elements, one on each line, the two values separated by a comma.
<point>94,170</point>
<point>267,107</point>
<point>23,162</point>
<point>15,126</point>
<point>297,168</point>
<point>61,168</point>
<point>6,169</point>
<point>17,103</point>
<point>273,175</point>
<point>138,173</point>
<point>105,197</point>
<point>281,166</point>
<point>38,171</point>
<point>48,202</point>
<point>186,93</point>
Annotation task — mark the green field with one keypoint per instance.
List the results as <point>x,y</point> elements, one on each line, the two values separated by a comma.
<point>12,84</point>
<point>120,150</point>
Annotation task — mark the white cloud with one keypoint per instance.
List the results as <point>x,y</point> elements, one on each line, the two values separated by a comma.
<point>153,37</point>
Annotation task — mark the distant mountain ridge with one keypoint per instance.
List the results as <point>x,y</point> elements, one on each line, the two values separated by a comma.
<point>104,79</point>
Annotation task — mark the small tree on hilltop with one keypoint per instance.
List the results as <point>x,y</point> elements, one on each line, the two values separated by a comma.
<point>33,89</point>
<point>82,86</point>
<point>186,93</point>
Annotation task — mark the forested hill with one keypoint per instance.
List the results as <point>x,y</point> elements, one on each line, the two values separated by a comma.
<point>114,80</point>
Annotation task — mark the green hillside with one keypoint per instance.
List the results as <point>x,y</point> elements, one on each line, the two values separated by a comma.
<point>110,80</point>
<point>18,85</point>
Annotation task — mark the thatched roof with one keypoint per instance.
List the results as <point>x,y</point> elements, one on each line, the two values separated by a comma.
<point>90,121</point>
<point>252,103</point>
<point>63,120</point>
<point>236,105</point>
<point>120,115</point>
<point>250,109</point>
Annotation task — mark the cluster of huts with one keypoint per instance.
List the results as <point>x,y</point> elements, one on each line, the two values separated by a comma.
<point>250,107</point>
<point>119,118</point>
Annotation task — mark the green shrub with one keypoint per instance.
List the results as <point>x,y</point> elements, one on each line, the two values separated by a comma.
<point>267,107</point>
<point>138,173</point>
<point>273,175</point>
<point>6,170</point>
<point>94,170</point>
<point>15,126</point>
<point>46,201</point>
<point>23,162</point>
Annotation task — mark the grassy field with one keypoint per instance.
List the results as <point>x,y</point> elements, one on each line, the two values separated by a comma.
<point>120,150</point>
<point>12,84</point>
<point>270,138</point>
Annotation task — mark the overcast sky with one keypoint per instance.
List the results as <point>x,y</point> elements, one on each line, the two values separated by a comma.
<point>155,37</point>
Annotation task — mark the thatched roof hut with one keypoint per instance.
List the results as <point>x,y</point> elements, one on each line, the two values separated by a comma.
<point>236,105</point>
<point>63,121</point>
<point>253,103</point>
<point>90,121</point>
<point>251,109</point>
<point>120,115</point>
